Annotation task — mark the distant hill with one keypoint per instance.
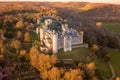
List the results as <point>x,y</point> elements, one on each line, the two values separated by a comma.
<point>99,11</point>
<point>72,5</point>
<point>90,6</point>
<point>79,6</point>
<point>108,12</point>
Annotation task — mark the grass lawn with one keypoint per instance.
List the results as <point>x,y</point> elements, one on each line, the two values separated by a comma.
<point>103,68</point>
<point>78,54</point>
<point>115,60</point>
<point>113,26</point>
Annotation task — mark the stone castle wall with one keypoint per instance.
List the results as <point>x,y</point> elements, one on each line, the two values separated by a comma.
<point>51,40</point>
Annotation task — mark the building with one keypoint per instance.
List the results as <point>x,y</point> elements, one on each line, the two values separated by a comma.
<point>54,38</point>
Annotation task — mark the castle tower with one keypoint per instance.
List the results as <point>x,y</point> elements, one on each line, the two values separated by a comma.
<point>66,25</point>
<point>41,34</point>
<point>37,30</point>
<point>55,43</point>
<point>48,22</point>
<point>67,43</point>
<point>38,21</point>
<point>63,28</point>
<point>81,37</point>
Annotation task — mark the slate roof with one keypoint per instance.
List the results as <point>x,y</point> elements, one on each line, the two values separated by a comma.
<point>72,34</point>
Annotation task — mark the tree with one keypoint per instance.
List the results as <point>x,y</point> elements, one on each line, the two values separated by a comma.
<point>94,78</point>
<point>53,59</point>
<point>99,24</point>
<point>23,52</point>
<point>2,50</point>
<point>80,65</point>
<point>54,74</point>
<point>44,75</point>
<point>114,42</point>
<point>105,41</point>
<point>1,43</point>
<point>2,59</point>
<point>44,62</point>
<point>34,54</point>
<point>67,75</point>
<point>104,51</point>
<point>30,26</point>
<point>118,78</point>
<point>90,69</point>
<point>107,56</point>
<point>16,44</point>
<point>95,48</point>
<point>19,35</point>
<point>19,25</point>
<point>73,74</point>
<point>2,31</point>
<point>27,37</point>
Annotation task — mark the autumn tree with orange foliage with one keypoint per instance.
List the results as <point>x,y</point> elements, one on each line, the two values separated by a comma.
<point>16,44</point>
<point>95,48</point>
<point>19,35</point>
<point>118,78</point>
<point>27,37</point>
<point>73,74</point>
<point>34,54</point>
<point>19,25</point>
<point>54,74</point>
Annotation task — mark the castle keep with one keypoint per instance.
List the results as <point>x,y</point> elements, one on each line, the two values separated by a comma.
<point>55,37</point>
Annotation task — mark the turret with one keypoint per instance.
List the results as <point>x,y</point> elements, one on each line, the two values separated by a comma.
<point>81,37</point>
<point>67,43</point>
<point>41,34</point>
<point>48,22</point>
<point>66,25</point>
<point>38,22</point>
<point>37,30</point>
<point>55,43</point>
<point>64,28</point>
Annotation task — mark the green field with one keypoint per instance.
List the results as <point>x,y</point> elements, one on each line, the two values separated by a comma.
<point>115,53</point>
<point>81,54</point>
<point>78,54</point>
<point>113,26</point>
<point>103,67</point>
<point>115,60</point>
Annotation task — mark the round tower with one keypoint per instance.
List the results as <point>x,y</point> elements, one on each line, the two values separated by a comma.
<point>41,34</point>
<point>55,43</point>
<point>67,43</point>
<point>81,37</point>
<point>37,30</point>
<point>38,21</point>
<point>48,22</point>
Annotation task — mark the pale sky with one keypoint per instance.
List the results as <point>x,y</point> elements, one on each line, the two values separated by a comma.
<point>93,1</point>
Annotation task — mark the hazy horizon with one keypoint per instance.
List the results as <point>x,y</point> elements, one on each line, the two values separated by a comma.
<point>92,1</point>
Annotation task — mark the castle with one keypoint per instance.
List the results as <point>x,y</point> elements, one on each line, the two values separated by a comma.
<point>55,38</point>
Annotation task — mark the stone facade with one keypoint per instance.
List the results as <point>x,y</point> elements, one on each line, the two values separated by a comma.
<point>67,43</point>
<point>54,41</point>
